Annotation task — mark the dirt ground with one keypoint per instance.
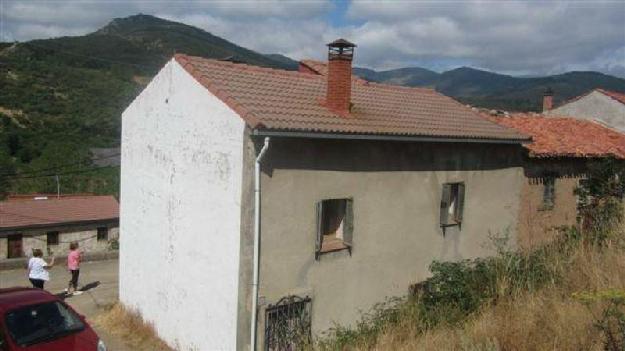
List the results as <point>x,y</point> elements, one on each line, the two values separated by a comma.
<point>100,276</point>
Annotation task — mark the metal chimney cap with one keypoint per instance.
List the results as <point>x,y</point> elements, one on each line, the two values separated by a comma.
<point>341,43</point>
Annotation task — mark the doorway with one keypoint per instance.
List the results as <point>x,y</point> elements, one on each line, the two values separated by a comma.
<point>15,249</point>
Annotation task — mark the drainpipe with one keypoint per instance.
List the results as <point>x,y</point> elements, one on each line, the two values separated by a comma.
<point>259,158</point>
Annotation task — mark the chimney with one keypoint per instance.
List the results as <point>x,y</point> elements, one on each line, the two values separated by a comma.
<point>340,55</point>
<point>547,100</point>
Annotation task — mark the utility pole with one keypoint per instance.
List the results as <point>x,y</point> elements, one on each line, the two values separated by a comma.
<point>58,187</point>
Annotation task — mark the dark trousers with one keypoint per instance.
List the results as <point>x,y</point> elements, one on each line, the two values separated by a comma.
<point>37,283</point>
<point>74,281</point>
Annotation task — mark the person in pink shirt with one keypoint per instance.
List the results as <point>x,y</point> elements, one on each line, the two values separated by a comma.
<point>73,265</point>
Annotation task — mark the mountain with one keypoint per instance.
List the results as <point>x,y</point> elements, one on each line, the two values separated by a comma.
<point>412,76</point>
<point>493,90</point>
<point>61,98</point>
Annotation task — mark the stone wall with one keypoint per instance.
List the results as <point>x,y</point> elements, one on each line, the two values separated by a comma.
<point>85,235</point>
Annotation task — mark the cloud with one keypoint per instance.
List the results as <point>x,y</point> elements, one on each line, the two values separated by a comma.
<point>518,37</point>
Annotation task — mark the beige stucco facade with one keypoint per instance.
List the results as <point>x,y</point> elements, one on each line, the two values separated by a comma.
<point>85,235</point>
<point>396,192</point>
<point>538,223</point>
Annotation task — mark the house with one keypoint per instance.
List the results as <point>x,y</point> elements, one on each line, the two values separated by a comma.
<point>50,223</point>
<point>556,161</point>
<point>607,107</point>
<point>260,199</point>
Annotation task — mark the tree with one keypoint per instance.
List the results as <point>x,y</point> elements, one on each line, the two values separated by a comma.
<point>600,196</point>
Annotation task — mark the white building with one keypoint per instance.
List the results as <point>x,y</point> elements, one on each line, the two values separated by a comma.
<point>606,107</point>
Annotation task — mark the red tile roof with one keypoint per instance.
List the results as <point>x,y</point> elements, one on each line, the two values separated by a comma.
<point>291,101</point>
<point>565,136</point>
<point>52,211</point>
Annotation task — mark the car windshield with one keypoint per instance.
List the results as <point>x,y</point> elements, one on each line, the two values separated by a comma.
<point>43,322</point>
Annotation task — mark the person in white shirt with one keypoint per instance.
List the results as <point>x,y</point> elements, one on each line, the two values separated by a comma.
<point>38,269</point>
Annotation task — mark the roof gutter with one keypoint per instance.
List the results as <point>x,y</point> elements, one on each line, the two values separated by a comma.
<point>313,135</point>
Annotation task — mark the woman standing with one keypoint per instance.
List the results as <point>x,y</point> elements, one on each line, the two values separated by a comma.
<point>38,269</point>
<point>73,266</point>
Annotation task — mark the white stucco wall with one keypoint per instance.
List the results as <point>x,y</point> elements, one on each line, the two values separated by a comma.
<point>595,106</point>
<point>181,178</point>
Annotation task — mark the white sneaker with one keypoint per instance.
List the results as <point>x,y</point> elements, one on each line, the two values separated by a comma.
<point>77,292</point>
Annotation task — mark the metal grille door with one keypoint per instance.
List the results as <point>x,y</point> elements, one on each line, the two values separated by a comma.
<point>287,324</point>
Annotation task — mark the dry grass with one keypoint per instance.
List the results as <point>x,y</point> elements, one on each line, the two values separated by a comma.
<point>549,319</point>
<point>131,328</point>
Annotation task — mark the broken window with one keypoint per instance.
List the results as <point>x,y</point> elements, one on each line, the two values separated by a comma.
<point>335,224</point>
<point>103,234</point>
<point>52,238</point>
<point>452,204</point>
<point>287,324</point>
<point>549,192</point>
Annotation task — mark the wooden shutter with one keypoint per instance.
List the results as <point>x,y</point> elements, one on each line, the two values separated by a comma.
<point>348,225</point>
<point>445,199</point>
<point>319,235</point>
<point>460,209</point>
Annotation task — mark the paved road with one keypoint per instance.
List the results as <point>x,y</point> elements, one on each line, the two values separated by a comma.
<point>104,274</point>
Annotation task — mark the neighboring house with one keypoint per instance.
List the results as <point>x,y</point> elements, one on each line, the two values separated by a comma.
<point>51,223</point>
<point>261,198</point>
<point>556,160</point>
<point>606,107</point>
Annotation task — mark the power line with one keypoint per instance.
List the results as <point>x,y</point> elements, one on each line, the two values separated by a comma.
<point>58,173</point>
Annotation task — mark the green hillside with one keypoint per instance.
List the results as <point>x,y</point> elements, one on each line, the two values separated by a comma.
<point>60,97</point>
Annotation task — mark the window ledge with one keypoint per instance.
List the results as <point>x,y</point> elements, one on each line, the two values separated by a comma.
<point>334,245</point>
<point>451,225</point>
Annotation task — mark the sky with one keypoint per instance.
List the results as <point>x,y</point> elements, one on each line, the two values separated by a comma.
<point>513,37</point>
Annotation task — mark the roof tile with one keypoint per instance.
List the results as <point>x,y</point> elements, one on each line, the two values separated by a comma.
<point>565,136</point>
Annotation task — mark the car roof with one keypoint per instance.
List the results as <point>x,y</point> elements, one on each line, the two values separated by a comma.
<point>17,297</point>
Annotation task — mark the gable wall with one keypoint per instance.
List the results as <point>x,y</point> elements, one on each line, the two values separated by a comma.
<point>595,106</point>
<point>180,211</point>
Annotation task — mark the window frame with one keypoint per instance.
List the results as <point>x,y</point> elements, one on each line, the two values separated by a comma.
<point>52,233</point>
<point>348,227</point>
<point>99,236</point>
<point>447,193</point>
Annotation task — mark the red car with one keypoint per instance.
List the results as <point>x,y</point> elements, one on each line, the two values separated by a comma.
<point>35,320</point>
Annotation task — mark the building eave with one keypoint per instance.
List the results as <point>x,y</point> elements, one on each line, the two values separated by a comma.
<point>384,137</point>
<point>16,229</point>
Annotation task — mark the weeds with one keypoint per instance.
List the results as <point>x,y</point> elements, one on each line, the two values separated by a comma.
<point>131,328</point>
